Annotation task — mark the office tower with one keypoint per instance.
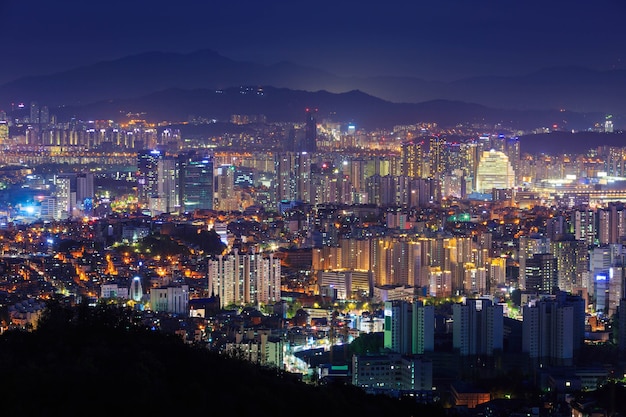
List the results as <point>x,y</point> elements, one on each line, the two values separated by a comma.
<point>409,327</point>
<point>167,199</point>
<point>611,223</point>
<point>477,327</point>
<point>197,183</point>
<point>412,154</point>
<point>585,228</point>
<point>529,246</point>
<point>309,143</point>
<point>249,278</point>
<point>226,199</point>
<point>548,331</point>
<point>605,271</point>
<point>147,175</point>
<point>494,171</point>
<point>572,259</point>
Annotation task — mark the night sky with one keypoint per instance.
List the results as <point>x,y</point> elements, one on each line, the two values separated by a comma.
<point>437,40</point>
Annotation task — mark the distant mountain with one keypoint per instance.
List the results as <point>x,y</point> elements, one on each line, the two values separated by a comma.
<point>285,105</point>
<point>571,89</point>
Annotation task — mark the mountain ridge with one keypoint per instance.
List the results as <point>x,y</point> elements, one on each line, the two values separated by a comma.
<point>583,96</point>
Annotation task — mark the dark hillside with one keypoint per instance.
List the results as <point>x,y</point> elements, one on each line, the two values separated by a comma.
<point>93,361</point>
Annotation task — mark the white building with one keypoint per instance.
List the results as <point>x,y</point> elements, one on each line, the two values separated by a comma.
<point>173,300</point>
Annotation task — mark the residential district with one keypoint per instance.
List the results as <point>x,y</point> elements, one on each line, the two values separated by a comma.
<point>441,257</point>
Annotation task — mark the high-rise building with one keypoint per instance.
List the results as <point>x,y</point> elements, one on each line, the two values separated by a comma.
<point>167,199</point>
<point>147,175</point>
<point>436,156</point>
<point>572,258</point>
<point>553,328</point>
<point>585,228</point>
<point>65,198</point>
<point>412,154</point>
<point>541,273</point>
<point>529,246</point>
<point>249,278</point>
<point>478,327</point>
<point>226,199</point>
<point>409,327</point>
<point>303,163</point>
<point>611,223</point>
<point>197,183</point>
<point>494,171</point>
<point>309,143</point>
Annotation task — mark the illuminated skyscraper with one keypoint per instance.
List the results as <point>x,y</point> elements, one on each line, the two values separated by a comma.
<point>494,171</point>
<point>249,278</point>
<point>585,228</point>
<point>147,175</point>
<point>436,156</point>
<point>542,274</point>
<point>167,199</point>
<point>226,199</point>
<point>412,159</point>
<point>197,183</point>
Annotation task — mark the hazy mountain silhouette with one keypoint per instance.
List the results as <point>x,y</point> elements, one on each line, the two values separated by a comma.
<point>572,89</point>
<point>285,105</point>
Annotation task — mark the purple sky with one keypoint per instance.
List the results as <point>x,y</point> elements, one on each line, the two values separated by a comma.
<point>440,39</point>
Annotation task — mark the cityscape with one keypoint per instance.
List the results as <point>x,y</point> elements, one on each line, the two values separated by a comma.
<point>456,257</point>
<point>273,208</point>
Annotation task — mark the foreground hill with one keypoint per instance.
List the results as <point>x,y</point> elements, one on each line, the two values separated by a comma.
<point>89,361</point>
